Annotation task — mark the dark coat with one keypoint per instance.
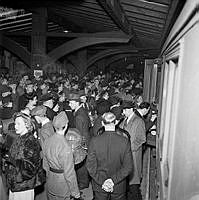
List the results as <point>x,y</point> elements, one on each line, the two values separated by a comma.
<point>97,125</point>
<point>82,123</point>
<point>105,160</point>
<point>23,163</point>
<point>24,99</point>
<point>50,113</point>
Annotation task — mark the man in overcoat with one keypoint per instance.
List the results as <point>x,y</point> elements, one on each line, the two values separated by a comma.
<point>83,124</point>
<point>109,162</point>
<point>135,126</point>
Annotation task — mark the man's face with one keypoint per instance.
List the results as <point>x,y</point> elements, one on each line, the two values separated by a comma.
<point>49,103</point>
<point>29,88</point>
<point>75,86</point>
<point>83,99</point>
<point>145,111</point>
<point>25,77</point>
<point>106,96</point>
<point>73,104</point>
<point>34,101</point>
<point>127,112</point>
<point>60,88</point>
<point>43,86</point>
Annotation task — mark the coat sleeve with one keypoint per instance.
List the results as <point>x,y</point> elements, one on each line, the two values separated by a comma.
<point>91,163</point>
<point>82,126</point>
<point>66,159</point>
<point>140,135</point>
<point>32,159</point>
<point>45,162</point>
<point>127,165</point>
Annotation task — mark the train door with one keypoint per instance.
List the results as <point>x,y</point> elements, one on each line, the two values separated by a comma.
<point>152,72</point>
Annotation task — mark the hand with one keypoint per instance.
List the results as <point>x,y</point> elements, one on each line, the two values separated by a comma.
<point>108,185</point>
<point>76,197</point>
<point>107,189</point>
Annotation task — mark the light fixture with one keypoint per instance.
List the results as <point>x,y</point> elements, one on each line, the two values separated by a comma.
<point>65,31</point>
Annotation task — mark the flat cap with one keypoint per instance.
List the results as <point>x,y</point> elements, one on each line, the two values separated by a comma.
<point>39,111</point>
<point>60,121</point>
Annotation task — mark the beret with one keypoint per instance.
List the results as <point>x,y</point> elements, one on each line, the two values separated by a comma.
<point>39,111</point>
<point>60,121</point>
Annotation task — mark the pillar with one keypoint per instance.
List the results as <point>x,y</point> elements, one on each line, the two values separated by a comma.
<point>38,38</point>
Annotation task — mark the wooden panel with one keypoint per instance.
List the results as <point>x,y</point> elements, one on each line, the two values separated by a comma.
<point>147,18</point>
<point>143,11</point>
<point>146,23</point>
<point>143,4</point>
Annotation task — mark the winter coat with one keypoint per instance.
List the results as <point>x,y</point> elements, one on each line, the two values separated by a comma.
<point>23,163</point>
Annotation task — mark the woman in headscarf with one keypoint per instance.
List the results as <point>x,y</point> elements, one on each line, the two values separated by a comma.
<point>23,161</point>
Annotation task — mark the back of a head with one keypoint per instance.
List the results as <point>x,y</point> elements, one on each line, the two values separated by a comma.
<point>108,118</point>
<point>144,105</point>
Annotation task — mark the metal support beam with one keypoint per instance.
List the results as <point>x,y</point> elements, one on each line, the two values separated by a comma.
<point>116,12</point>
<point>112,34</point>
<point>79,43</point>
<point>16,49</point>
<point>107,53</point>
<point>38,37</point>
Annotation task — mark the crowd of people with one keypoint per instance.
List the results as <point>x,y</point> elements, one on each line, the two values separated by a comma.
<point>69,132</point>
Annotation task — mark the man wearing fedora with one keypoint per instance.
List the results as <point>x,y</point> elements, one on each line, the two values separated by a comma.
<point>108,165</point>
<point>134,124</point>
<point>83,124</point>
<point>47,100</point>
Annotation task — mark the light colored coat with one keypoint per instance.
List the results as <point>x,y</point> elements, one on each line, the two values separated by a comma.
<point>58,155</point>
<point>136,129</point>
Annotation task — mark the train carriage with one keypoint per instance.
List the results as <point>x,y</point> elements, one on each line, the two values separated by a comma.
<point>175,78</point>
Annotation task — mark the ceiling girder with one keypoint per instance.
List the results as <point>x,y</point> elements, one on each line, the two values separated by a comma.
<point>116,12</point>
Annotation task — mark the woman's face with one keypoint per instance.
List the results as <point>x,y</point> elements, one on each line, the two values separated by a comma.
<point>20,126</point>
